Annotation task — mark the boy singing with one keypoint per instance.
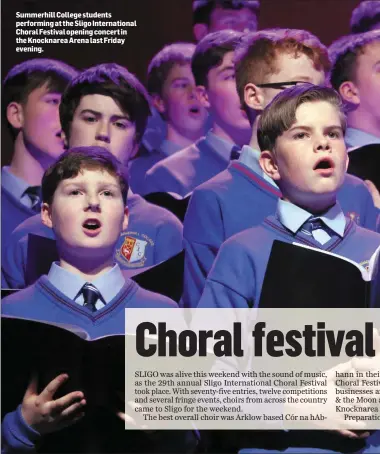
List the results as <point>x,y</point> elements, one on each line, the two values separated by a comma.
<point>301,137</point>
<point>84,202</point>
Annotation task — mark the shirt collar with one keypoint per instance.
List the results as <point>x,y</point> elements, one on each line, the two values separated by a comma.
<point>358,138</point>
<point>109,284</point>
<point>250,158</point>
<point>221,146</point>
<point>168,147</point>
<point>17,186</point>
<point>293,217</point>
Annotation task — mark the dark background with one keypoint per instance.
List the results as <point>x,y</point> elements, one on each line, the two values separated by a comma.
<point>159,22</point>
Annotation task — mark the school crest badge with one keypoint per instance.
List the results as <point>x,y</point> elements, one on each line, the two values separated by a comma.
<point>132,250</point>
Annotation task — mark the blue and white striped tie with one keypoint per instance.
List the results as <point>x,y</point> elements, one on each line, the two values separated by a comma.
<point>90,295</point>
<point>316,227</point>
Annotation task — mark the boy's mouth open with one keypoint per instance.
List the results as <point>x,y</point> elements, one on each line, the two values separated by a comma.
<point>92,227</point>
<point>324,166</point>
<point>195,110</point>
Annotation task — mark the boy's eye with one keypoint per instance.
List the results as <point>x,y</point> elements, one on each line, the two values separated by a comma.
<point>120,125</point>
<point>334,134</point>
<point>108,193</point>
<point>54,101</point>
<point>181,85</point>
<point>300,135</point>
<point>89,119</point>
<point>229,77</point>
<point>74,192</point>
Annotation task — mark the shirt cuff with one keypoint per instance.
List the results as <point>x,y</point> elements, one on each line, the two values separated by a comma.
<point>18,435</point>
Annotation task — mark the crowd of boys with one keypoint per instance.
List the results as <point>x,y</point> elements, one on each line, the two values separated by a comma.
<point>256,126</point>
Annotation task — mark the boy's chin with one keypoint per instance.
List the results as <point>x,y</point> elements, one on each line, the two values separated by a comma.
<point>83,249</point>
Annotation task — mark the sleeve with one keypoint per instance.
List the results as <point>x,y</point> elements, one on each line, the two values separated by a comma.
<point>16,435</point>
<point>14,261</point>
<point>231,281</point>
<point>370,212</point>
<point>169,238</point>
<point>203,235</point>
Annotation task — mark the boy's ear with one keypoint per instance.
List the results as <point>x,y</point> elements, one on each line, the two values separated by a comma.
<point>15,115</point>
<point>254,97</point>
<point>158,103</point>
<point>349,93</point>
<point>126,218</point>
<point>46,215</point>
<point>200,31</point>
<point>268,163</point>
<point>203,96</point>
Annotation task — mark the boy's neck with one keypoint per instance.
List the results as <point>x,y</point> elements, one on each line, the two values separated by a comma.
<point>364,121</point>
<point>89,271</point>
<point>24,165</point>
<point>182,138</point>
<point>315,207</point>
<point>253,142</point>
<point>235,136</point>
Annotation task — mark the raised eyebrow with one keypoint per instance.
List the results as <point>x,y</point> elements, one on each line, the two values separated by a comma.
<point>91,111</point>
<point>53,93</point>
<point>301,127</point>
<point>68,181</point>
<point>106,185</point>
<point>120,117</point>
<point>226,68</point>
<point>184,79</point>
<point>334,127</point>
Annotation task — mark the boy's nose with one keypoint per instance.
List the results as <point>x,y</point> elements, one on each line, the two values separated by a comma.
<point>323,144</point>
<point>102,133</point>
<point>93,203</point>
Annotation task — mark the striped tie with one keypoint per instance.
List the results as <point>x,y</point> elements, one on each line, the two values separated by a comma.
<point>90,295</point>
<point>318,229</point>
<point>235,153</point>
<point>34,194</point>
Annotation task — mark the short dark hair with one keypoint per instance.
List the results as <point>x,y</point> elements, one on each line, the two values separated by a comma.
<point>107,79</point>
<point>365,16</point>
<point>202,9</point>
<point>29,75</point>
<point>280,114</point>
<point>210,52</point>
<point>344,53</point>
<point>256,55</point>
<point>73,161</point>
<point>163,62</point>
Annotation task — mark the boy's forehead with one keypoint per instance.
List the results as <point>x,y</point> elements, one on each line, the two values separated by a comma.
<point>309,114</point>
<point>179,70</point>
<point>220,13</point>
<point>292,66</point>
<point>92,174</point>
<point>44,89</point>
<point>227,60</point>
<point>370,51</point>
<point>100,103</point>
